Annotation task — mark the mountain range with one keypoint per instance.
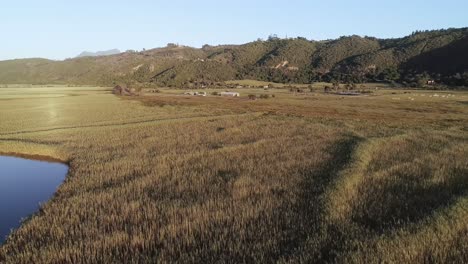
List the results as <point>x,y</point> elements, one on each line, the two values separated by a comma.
<point>98,53</point>
<point>441,55</point>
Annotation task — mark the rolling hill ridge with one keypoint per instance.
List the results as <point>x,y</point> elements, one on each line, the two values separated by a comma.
<point>441,55</point>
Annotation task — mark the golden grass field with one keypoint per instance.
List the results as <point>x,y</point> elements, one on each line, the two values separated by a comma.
<point>290,179</point>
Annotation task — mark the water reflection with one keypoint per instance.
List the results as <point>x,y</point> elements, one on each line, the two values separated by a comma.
<point>24,184</point>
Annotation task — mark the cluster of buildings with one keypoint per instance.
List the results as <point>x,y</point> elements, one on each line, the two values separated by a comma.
<point>226,94</point>
<point>195,93</point>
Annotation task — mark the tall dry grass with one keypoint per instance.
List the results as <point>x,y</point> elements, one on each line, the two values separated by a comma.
<point>282,180</point>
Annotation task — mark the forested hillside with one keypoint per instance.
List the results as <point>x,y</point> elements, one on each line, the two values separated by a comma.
<point>441,55</point>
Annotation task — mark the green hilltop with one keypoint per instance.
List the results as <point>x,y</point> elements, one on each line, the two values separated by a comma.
<point>440,55</point>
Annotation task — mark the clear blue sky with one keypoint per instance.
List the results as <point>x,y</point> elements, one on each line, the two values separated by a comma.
<point>58,29</point>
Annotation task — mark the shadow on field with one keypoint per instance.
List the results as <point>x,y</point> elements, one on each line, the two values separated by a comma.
<point>408,195</point>
<point>309,232</point>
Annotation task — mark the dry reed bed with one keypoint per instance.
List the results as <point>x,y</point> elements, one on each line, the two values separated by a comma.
<point>255,187</point>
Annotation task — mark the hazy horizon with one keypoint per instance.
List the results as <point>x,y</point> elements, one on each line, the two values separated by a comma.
<point>56,30</point>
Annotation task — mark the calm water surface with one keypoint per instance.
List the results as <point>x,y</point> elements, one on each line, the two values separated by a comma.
<point>24,184</point>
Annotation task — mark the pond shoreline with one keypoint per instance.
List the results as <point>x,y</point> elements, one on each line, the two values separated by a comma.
<point>36,157</point>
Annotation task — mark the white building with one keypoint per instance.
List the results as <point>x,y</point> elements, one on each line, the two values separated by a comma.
<point>231,94</point>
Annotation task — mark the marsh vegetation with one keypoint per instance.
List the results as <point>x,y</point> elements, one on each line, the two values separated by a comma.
<point>294,178</point>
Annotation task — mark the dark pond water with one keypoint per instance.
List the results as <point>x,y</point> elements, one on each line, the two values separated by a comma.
<point>24,185</point>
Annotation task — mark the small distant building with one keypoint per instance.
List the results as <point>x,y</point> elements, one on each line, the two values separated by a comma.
<point>230,94</point>
<point>431,82</point>
<point>195,93</point>
<point>349,93</point>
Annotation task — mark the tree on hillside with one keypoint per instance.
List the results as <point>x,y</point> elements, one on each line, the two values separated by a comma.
<point>273,37</point>
<point>389,74</point>
<point>465,78</point>
<point>422,79</point>
<point>336,85</point>
<point>350,86</point>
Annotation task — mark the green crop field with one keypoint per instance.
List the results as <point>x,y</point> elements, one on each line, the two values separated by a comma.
<point>297,177</point>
